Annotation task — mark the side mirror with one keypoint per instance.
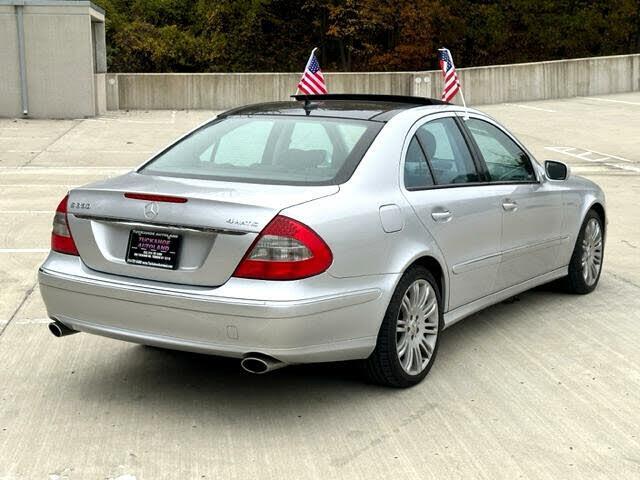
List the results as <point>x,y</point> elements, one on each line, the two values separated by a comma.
<point>556,170</point>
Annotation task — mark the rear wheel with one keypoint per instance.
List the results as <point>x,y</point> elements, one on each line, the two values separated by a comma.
<point>408,339</point>
<point>586,262</point>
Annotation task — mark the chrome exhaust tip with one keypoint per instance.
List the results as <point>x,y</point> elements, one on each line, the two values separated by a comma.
<point>259,364</point>
<point>59,329</point>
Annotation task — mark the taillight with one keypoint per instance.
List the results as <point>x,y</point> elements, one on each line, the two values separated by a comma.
<point>61,239</point>
<point>285,250</point>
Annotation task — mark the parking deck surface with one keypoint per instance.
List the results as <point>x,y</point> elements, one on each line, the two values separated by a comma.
<point>546,386</point>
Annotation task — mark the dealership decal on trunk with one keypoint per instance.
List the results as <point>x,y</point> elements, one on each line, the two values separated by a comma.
<point>154,249</point>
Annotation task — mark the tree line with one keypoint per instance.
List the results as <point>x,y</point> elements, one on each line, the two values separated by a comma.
<point>360,35</point>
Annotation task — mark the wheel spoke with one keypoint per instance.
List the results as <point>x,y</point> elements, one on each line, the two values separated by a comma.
<point>430,309</point>
<point>424,345</point>
<point>417,358</point>
<point>585,272</point>
<point>408,359</point>
<point>594,270</point>
<point>402,346</point>
<point>405,306</point>
<point>415,293</point>
<point>431,328</point>
<point>596,232</point>
<point>424,296</point>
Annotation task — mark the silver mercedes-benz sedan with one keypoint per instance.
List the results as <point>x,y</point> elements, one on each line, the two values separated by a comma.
<point>335,227</point>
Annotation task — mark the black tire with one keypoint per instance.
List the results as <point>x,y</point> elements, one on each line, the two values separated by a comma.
<point>574,282</point>
<point>383,366</point>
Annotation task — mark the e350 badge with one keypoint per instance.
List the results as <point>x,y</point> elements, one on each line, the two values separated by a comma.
<point>80,205</point>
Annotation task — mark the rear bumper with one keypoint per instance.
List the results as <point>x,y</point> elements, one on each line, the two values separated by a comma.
<point>313,320</point>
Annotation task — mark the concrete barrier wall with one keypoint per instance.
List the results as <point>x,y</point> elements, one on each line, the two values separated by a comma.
<point>482,85</point>
<point>227,90</point>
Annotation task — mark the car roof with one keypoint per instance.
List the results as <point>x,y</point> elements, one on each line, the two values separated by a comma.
<point>380,108</point>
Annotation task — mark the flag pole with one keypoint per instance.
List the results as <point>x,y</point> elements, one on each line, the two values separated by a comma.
<point>307,65</point>
<point>466,110</point>
<point>464,104</point>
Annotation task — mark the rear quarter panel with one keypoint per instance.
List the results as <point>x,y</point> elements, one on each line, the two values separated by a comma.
<point>350,221</point>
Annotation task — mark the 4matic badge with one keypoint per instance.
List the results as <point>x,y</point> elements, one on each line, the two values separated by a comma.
<point>242,223</point>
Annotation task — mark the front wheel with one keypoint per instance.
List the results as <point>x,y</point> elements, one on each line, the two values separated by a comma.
<point>408,339</point>
<point>586,262</point>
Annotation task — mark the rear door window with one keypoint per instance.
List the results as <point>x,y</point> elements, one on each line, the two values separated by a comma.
<point>416,170</point>
<point>448,154</point>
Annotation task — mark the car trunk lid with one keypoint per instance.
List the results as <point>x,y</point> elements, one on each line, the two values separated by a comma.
<point>216,223</point>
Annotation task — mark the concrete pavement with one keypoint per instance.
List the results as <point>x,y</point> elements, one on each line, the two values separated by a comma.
<point>547,386</point>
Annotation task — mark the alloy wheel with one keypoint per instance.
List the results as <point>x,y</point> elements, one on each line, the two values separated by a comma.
<point>591,252</point>
<point>417,327</point>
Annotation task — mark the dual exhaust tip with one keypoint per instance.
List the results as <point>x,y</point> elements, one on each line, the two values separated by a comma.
<point>253,363</point>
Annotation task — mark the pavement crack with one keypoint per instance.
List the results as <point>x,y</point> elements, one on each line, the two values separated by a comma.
<point>383,437</point>
<point>623,280</point>
<point>27,294</point>
<point>45,149</point>
<point>626,242</point>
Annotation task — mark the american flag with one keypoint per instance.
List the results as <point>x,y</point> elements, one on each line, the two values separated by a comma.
<point>312,81</point>
<point>451,82</point>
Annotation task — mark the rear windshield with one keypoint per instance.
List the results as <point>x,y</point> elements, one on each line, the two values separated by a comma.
<point>269,149</point>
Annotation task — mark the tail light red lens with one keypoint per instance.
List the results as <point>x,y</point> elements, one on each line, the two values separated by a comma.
<point>285,250</point>
<point>61,239</point>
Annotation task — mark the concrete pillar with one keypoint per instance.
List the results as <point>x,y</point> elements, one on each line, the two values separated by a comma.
<point>53,59</point>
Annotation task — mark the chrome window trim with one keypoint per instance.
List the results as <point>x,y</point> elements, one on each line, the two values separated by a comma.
<point>469,184</point>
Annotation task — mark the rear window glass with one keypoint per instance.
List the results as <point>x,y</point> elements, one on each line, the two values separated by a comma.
<point>269,149</point>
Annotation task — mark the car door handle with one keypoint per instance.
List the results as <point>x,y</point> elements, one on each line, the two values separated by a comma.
<point>509,205</point>
<point>441,215</point>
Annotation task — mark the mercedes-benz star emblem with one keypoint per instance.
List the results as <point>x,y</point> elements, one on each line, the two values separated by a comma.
<point>151,210</point>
